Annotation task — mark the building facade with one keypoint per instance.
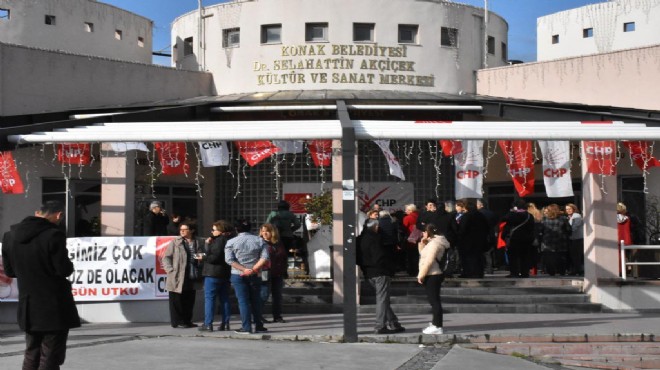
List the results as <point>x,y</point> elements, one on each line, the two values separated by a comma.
<point>84,27</point>
<point>273,45</point>
<point>598,28</point>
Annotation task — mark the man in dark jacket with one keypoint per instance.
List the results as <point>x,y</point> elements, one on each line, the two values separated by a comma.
<point>377,264</point>
<point>438,217</point>
<point>34,251</point>
<point>155,222</point>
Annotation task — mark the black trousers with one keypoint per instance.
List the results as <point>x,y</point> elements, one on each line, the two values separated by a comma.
<point>520,260</point>
<point>432,283</point>
<point>45,350</point>
<point>181,307</point>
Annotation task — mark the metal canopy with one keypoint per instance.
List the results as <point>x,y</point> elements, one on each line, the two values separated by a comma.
<point>331,129</point>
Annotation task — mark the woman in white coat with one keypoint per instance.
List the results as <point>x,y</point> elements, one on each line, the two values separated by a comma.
<point>431,249</point>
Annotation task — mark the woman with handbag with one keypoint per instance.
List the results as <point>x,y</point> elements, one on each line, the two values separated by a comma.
<point>181,261</point>
<point>519,233</point>
<point>431,248</point>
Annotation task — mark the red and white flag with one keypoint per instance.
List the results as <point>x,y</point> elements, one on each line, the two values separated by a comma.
<point>321,151</point>
<point>469,170</point>
<point>172,158</point>
<point>395,166</point>
<point>520,163</point>
<point>214,153</point>
<point>74,153</point>
<point>639,152</point>
<point>256,151</point>
<point>600,157</point>
<point>451,147</point>
<point>556,168</point>
<point>10,180</point>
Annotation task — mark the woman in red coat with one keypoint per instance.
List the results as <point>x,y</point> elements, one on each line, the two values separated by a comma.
<point>412,255</point>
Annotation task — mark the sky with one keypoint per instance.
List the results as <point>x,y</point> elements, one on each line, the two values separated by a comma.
<point>520,14</point>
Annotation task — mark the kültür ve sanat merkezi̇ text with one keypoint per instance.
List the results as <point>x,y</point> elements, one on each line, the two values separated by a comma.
<point>302,64</point>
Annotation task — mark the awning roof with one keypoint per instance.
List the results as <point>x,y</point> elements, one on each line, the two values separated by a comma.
<point>216,118</point>
<point>331,129</point>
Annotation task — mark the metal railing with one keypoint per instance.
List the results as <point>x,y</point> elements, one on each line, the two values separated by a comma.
<point>633,246</point>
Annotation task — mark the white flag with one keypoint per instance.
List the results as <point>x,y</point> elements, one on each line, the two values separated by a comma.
<point>124,147</point>
<point>214,153</point>
<point>469,170</point>
<point>289,146</point>
<point>395,167</point>
<point>556,168</point>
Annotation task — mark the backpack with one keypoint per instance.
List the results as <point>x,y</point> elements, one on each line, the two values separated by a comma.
<point>449,262</point>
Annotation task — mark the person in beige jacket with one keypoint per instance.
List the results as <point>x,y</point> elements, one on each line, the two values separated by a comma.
<point>431,248</point>
<point>181,261</point>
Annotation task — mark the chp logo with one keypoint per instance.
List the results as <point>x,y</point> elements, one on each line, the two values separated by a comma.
<point>161,274</point>
<point>467,174</point>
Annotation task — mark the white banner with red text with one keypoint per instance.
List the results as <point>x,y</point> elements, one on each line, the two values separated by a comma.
<point>110,269</point>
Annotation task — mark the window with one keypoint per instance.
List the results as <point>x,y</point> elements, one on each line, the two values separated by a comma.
<point>408,34</point>
<point>83,204</point>
<point>231,37</point>
<point>119,35</point>
<point>449,37</point>
<point>363,32</point>
<point>505,52</point>
<point>629,27</point>
<point>140,41</point>
<point>50,20</point>
<point>4,14</point>
<point>555,39</point>
<point>316,32</point>
<point>587,32</point>
<point>89,27</point>
<point>187,46</point>
<point>271,34</point>
<point>491,45</point>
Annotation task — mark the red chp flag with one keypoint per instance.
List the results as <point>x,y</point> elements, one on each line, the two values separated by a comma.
<point>600,156</point>
<point>451,147</point>
<point>639,152</point>
<point>321,151</point>
<point>74,153</point>
<point>172,158</point>
<point>10,180</point>
<point>256,151</point>
<point>520,162</point>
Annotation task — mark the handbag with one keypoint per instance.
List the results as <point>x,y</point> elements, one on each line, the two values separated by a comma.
<point>415,236</point>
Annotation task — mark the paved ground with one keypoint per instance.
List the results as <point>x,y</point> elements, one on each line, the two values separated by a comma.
<point>309,342</point>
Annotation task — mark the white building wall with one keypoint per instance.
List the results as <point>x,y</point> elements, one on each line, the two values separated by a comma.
<point>253,66</point>
<point>36,81</point>
<point>26,26</point>
<point>607,21</point>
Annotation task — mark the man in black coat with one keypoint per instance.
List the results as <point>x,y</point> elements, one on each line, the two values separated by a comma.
<point>34,251</point>
<point>377,264</point>
<point>440,218</point>
<point>155,222</point>
<point>472,235</point>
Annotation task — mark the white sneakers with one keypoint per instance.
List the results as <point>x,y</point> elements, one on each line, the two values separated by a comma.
<point>432,329</point>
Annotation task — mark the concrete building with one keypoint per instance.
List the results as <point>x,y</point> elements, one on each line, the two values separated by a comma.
<point>598,28</point>
<point>245,71</point>
<point>264,46</point>
<point>84,27</point>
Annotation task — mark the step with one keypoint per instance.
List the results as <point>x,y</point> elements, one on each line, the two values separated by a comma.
<point>491,308</point>
<point>584,348</point>
<point>468,299</point>
<point>613,361</point>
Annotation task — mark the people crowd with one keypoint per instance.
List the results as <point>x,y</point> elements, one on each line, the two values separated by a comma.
<point>525,242</point>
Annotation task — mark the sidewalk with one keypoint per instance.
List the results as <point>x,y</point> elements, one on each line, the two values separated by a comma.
<point>306,332</point>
